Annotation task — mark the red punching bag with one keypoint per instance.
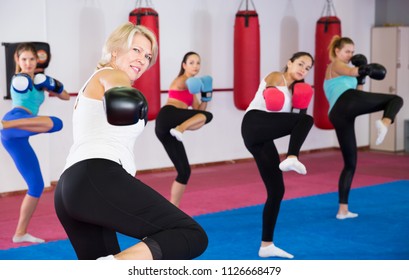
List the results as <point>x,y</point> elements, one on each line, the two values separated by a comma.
<point>149,82</point>
<point>327,27</point>
<point>246,56</point>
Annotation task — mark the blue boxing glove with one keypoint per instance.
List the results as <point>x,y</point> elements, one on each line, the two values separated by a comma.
<point>194,85</point>
<point>22,83</point>
<point>42,81</point>
<point>207,88</point>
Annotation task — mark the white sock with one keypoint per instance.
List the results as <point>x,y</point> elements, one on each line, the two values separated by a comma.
<point>107,258</point>
<point>293,164</point>
<point>177,134</point>
<point>382,130</point>
<point>273,251</point>
<point>348,215</point>
<point>27,238</point>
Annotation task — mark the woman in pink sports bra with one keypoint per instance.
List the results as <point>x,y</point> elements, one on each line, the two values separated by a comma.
<point>183,111</point>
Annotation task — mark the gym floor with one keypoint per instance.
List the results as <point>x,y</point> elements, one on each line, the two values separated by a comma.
<point>223,186</point>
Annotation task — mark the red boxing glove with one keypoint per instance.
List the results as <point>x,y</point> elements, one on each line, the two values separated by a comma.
<point>302,94</point>
<point>274,99</point>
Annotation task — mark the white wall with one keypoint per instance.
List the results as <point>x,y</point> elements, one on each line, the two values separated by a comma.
<point>77,29</point>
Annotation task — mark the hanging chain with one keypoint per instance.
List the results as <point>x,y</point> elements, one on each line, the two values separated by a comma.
<point>328,8</point>
<point>247,4</point>
<point>139,3</point>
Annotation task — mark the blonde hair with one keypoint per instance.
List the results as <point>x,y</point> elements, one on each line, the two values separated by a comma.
<point>23,47</point>
<point>121,39</point>
<point>338,42</point>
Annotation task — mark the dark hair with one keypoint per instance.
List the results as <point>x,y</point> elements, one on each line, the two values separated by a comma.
<point>338,42</point>
<point>293,58</point>
<point>22,48</point>
<point>185,57</point>
<point>298,55</point>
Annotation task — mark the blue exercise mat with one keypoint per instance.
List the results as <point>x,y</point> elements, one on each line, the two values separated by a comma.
<point>306,228</point>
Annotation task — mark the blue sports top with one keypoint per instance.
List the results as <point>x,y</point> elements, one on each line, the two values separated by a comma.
<point>335,87</point>
<point>30,100</point>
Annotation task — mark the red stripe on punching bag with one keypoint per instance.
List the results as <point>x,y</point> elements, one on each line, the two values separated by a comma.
<point>149,82</point>
<point>246,58</point>
<point>326,28</point>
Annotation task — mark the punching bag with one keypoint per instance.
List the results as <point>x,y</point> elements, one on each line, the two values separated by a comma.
<point>327,26</point>
<point>149,82</point>
<point>246,57</point>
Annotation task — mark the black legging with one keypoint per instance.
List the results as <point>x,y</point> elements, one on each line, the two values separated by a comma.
<point>96,198</point>
<point>169,117</point>
<point>259,130</point>
<point>351,104</point>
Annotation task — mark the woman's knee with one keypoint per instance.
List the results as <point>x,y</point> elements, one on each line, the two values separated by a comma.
<point>183,175</point>
<point>201,242</point>
<point>397,103</point>
<point>57,124</point>
<point>208,116</point>
<point>398,100</point>
<point>35,191</point>
<point>307,120</point>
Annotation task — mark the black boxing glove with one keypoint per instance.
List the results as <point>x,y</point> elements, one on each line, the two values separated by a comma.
<point>359,60</point>
<point>373,70</point>
<point>125,106</point>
